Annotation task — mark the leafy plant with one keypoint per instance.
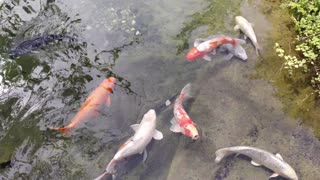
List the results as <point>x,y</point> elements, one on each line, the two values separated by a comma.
<point>306,18</point>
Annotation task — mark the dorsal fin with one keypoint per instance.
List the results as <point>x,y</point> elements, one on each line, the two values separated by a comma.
<point>135,127</point>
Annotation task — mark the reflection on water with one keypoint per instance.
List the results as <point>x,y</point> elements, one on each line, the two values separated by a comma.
<point>42,87</point>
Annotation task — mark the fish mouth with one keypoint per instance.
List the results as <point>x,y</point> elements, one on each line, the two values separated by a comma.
<point>195,137</point>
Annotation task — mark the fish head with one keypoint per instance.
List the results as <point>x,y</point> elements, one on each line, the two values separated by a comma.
<point>239,19</point>
<point>240,53</point>
<point>109,83</point>
<point>191,131</point>
<point>195,54</point>
<point>149,117</point>
<point>290,173</point>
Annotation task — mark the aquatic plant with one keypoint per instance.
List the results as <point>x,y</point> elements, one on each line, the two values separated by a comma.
<point>306,18</point>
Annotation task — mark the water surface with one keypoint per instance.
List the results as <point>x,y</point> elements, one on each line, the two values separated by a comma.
<point>135,41</point>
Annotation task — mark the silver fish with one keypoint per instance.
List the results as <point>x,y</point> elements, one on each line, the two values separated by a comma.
<point>246,28</point>
<point>260,157</point>
<point>227,50</point>
<point>144,132</point>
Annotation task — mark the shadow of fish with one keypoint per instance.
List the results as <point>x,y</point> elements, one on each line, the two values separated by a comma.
<point>228,51</point>
<point>33,44</point>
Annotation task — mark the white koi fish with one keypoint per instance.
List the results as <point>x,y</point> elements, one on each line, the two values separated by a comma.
<point>260,157</point>
<point>246,28</point>
<point>144,132</point>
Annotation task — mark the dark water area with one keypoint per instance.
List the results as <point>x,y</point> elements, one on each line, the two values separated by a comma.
<point>135,41</point>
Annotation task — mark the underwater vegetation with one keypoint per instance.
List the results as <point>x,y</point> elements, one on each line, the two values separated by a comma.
<point>286,67</point>
<point>305,57</point>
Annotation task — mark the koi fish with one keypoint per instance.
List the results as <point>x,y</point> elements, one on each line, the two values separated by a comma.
<point>101,95</point>
<point>246,28</point>
<point>144,132</point>
<point>227,50</point>
<point>33,44</point>
<point>209,47</point>
<point>260,157</point>
<point>181,122</point>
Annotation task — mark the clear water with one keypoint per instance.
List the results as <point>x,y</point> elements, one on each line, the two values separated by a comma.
<point>134,41</point>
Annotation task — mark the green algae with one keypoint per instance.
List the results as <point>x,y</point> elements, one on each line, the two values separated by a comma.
<point>213,17</point>
<point>295,92</point>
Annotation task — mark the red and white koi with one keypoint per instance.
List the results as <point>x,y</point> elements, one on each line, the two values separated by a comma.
<point>209,47</point>
<point>181,122</point>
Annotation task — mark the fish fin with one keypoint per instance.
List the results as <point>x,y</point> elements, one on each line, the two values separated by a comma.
<point>105,175</point>
<point>111,167</point>
<point>168,102</point>
<point>197,42</point>
<point>207,58</point>
<point>187,90</point>
<point>135,127</point>
<point>274,175</point>
<point>214,51</point>
<point>175,128</point>
<point>228,56</point>
<point>157,135</point>
<point>108,102</point>
<point>255,164</point>
<point>145,155</point>
<point>245,37</point>
<point>173,121</point>
<point>279,156</point>
<point>65,130</point>
<point>240,53</point>
<point>236,28</point>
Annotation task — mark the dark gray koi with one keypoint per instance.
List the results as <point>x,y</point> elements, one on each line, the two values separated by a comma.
<point>33,44</point>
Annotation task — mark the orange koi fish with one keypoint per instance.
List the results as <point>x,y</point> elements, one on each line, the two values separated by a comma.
<point>101,95</point>
<point>209,47</point>
<point>181,122</point>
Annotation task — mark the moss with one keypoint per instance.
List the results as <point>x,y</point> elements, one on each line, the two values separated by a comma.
<point>213,17</point>
<point>295,93</point>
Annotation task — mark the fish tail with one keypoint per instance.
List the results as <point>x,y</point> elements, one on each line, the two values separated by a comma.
<point>258,49</point>
<point>221,153</point>
<point>239,41</point>
<point>65,130</point>
<point>187,90</point>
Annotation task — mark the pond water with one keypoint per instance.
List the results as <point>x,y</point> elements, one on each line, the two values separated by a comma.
<point>135,42</point>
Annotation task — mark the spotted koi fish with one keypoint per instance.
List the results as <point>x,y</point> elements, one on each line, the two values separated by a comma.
<point>205,48</point>
<point>182,123</point>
